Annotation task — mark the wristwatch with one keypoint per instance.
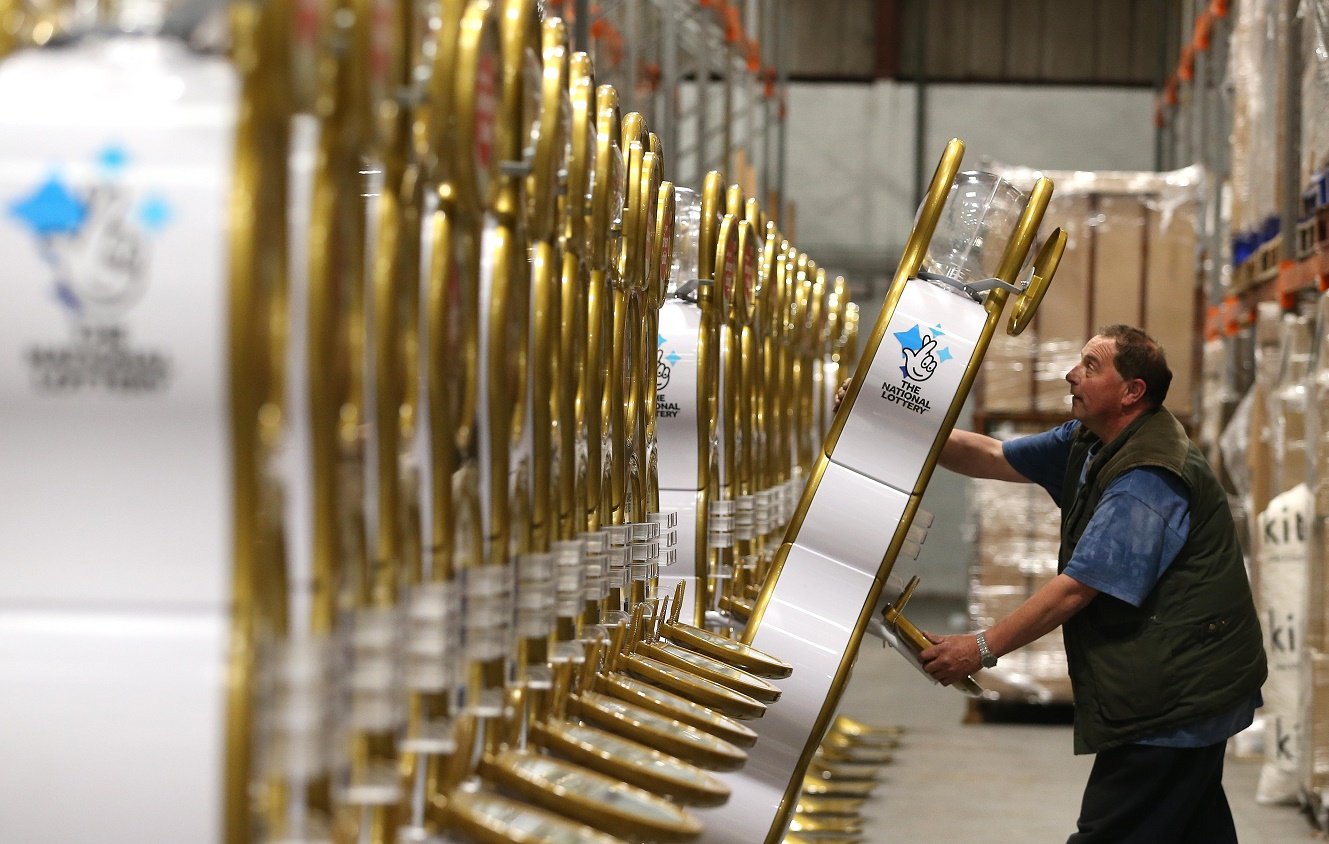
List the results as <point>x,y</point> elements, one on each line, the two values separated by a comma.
<point>985,656</point>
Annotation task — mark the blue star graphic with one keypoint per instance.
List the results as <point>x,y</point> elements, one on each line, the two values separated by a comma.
<point>113,159</point>
<point>673,358</point>
<point>936,330</point>
<point>944,355</point>
<point>660,341</point>
<point>154,213</point>
<point>910,339</point>
<point>52,209</point>
<point>66,297</point>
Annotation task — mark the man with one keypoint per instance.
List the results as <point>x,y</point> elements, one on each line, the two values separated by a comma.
<point>1162,638</point>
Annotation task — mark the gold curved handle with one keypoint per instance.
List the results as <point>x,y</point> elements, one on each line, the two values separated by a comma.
<point>552,144</point>
<point>608,127</point>
<point>581,150</point>
<point>662,253</point>
<point>474,159</point>
<point>1045,266</point>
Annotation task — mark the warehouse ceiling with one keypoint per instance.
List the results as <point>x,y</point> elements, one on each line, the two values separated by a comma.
<point>1075,42</point>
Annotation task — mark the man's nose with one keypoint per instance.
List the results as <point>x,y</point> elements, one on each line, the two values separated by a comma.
<point>1071,376</point>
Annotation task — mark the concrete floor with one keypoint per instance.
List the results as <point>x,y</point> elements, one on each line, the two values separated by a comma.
<point>995,783</point>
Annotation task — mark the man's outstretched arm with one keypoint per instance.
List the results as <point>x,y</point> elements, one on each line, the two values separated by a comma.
<point>951,658</point>
<point>978,456</point>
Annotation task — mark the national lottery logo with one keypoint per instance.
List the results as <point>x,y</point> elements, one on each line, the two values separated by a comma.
<point>665,361</point>
<point>94,234</point>
<point>921,355</point>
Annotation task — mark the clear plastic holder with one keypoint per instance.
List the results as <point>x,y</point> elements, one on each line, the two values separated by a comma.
<point>916,534</point>
<point>433,617</point>
<point>644,531</point>
<point>596,568</point>
<point>594,541</point>
<point>569,577</point>
<point>645,551</point>
<point>723,524</point>
<point>618,558</point>
<point>295,690</point>
<point>488,612</point>
<point>573,651</point>
<point>375,681</point>
<point>720,539</point>
<point>617,536</point>
<point>687,236</point>
<point>643,571</point>
<point>535,567</point>
<point>666,519</point>
<point>745,507</point>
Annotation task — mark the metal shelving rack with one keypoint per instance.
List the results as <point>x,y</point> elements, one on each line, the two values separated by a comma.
<point>1194,118</point>
<point>707,74</point>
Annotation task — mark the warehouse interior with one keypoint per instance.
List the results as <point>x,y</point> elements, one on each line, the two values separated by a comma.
<point>458,420</point>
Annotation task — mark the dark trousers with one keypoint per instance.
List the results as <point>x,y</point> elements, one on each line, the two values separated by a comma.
<point>1139,794</point>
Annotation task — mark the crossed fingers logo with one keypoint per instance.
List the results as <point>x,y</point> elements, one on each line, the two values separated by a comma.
<point>921,353</point>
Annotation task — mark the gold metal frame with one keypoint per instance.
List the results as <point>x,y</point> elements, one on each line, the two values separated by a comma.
<point>244,296</point>
<point>572,791</point>
<point>630,761</point>
<point>1013,257</point>
<point>658,730</point>
<point>492,819</point>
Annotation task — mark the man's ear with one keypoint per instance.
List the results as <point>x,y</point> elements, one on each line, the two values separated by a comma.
<point>1135,389</point>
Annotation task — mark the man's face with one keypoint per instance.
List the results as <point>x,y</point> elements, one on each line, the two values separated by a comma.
<point>1097,390</point>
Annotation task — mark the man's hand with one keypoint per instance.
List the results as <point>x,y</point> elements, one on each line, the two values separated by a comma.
<point>920,363</point>
<point>841,393</point>
<point>951,658</point>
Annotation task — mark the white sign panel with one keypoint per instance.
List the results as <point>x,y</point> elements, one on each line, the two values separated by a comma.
<point>676,398</point>
<point>115,160</point>
<point>915,374</point>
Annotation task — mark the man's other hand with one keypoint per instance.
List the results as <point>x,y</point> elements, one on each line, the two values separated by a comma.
<point>840,393</point>
<point>951,658</point>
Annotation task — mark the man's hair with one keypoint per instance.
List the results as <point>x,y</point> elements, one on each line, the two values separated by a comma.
<point>1140,356</point>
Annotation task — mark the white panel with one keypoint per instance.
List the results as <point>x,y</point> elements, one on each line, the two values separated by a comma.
<point>808,623</point>
<point>914,377</point>
<point>113,726</point>
<point>755,794</point>
<point>115,160</point>
<point>676,400</point>
<point>852,519</point>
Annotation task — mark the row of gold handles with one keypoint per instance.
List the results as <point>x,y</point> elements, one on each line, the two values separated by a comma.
<point>556,338</point>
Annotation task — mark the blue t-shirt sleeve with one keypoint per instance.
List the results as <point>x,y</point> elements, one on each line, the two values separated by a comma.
<point>1042,457</point>
<point>1136,532</point>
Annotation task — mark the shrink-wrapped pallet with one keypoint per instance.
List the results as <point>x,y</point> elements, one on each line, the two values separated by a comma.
<point>1315,666</point>
<point>1314,90</point>
<point>1282,563</point>
<point>1253,74</point>
<point>1017,533</point>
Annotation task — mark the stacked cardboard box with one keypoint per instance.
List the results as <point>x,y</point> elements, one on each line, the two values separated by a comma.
<point>1130,258</point>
